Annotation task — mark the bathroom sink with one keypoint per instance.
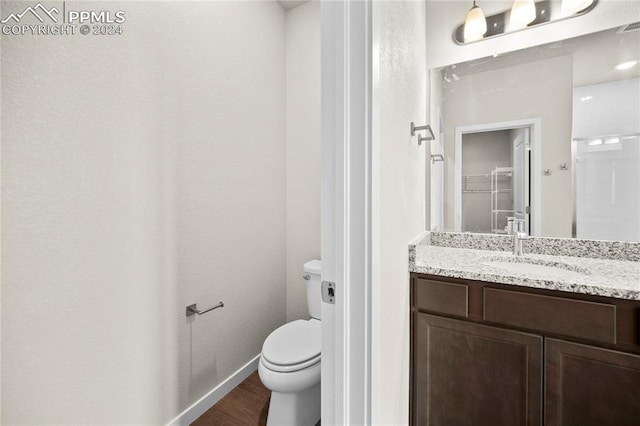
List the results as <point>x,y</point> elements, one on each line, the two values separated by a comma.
<point>533,266</point>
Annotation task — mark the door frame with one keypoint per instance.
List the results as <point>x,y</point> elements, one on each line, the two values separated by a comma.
<point>525,138</point>
<point>535,126</point>
<point>348,69</point>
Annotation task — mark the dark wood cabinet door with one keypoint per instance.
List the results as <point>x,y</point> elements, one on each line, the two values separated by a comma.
<point>466,374</point>
<point>590,386</point>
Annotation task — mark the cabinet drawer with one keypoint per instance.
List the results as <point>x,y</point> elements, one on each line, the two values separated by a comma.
<point>569,317</point>
<point>442,297</point>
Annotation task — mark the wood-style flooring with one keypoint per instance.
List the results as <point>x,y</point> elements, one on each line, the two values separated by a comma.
<point>246,405</point>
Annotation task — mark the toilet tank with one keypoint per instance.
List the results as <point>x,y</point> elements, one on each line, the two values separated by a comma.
<point>312,272</point>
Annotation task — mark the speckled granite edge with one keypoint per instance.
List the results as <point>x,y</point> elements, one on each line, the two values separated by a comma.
<point>601,277</point>
<point>505,278</point>
<point>421,240</point>
<point>611,250</point>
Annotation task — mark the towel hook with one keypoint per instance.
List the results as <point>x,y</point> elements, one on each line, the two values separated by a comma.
<point>436,157</point>
<point>430,136</point>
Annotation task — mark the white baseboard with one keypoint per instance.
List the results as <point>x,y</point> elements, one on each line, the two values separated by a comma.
<point>189,415</point>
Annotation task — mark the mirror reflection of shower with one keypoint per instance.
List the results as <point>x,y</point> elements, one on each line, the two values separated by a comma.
<point>606,157</point>
<point>606,186</point>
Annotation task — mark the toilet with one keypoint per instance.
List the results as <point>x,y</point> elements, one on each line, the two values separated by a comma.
<point>290,362</point>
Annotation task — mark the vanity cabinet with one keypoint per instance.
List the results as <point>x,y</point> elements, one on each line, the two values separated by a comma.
<point>491,354</point>
<point>588,385</point>
<point>466,371</point>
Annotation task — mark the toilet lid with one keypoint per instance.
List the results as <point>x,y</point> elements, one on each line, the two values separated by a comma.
<point>293,343</point>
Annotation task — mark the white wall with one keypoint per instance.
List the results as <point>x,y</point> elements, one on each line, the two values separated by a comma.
<point>140,173</point>
<point>443,17</point>
<point>303,150</point>
<point>228,85</point>
<point>403,95</point>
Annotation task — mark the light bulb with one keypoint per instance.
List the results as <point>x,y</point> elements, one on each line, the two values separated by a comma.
<point>523,12</point>
<point>569,7</point>
<point>475,27</point>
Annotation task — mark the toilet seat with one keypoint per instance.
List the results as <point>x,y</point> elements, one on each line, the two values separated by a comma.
<point>289,368</point>
<point>293,346</point>
<point>289,382</point>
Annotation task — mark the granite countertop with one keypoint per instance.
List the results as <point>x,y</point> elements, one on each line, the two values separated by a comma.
<point>577,274</point>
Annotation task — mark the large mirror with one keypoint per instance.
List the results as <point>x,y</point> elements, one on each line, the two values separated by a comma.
<point>549,135</point>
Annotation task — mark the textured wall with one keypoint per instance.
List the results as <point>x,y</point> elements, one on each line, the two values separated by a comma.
<point>140,173</point>
<point>403,95</point>
<point>228,84</point>
<point>303,150</point>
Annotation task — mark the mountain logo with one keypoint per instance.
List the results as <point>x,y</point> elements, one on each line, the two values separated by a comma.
<point>39,11</point>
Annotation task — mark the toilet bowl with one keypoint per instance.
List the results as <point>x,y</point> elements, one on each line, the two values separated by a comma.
<point>290,362</point>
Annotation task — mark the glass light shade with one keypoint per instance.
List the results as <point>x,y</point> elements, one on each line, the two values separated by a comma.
<point>523,12</point>
<point>569,7</point>
<point>475,27</point>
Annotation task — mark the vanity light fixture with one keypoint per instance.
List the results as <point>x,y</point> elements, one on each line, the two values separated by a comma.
<point>569,7</point>
<point>611,141</point>
<point>523,12</point>
<point>595,142</point>
<point>586,98</point>
<point>475,26</point>
<point>626,65</point>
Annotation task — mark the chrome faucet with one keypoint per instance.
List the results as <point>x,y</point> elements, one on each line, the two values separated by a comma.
<point>515,227</point>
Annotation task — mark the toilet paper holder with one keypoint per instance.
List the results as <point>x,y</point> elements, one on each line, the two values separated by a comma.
<point>193,309</point>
